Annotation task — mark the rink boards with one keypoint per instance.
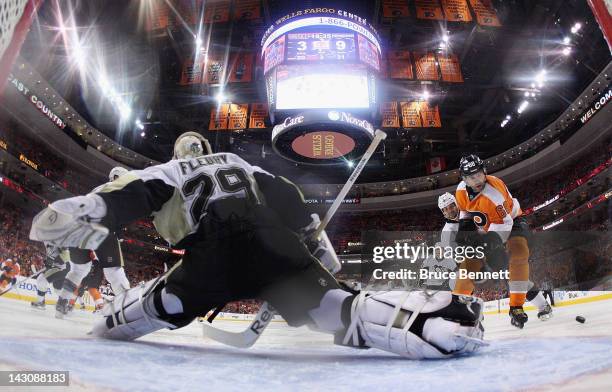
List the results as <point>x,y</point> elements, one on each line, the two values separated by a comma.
<point>25,290</point>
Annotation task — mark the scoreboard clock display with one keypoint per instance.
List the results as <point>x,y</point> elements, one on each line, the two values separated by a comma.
<point>321,59</point>
<point>321,46</point>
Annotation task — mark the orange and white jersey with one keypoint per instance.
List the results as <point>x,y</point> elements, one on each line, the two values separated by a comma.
<point>10,268</point>
<point>493,209</point>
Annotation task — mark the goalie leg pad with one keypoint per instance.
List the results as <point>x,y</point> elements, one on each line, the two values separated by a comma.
<point>116,277</point>
<point>140,311</point>
<point>417,325</point>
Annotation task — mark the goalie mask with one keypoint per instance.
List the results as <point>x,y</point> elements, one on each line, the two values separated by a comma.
<point>116,172</point>
<point>191,145</point>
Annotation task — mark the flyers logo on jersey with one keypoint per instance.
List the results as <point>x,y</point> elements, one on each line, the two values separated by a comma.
<point>479,218</point>
<point>501,211</point>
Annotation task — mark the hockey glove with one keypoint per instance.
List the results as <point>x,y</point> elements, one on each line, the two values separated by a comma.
<point>71,223</point>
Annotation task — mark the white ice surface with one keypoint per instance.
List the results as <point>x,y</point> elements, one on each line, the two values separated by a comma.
<point>544,355</point>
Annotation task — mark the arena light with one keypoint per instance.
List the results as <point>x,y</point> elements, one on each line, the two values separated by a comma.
<point>576,28</point>
<point>221,97</point>
<point>350,164</point>
<point>445,38</point>
<point>425,95</point>
<point>503,123</point>
<point>540,78</point>
<point>567,51</point>
<point>142,134</point>
<point>522,107</point>
<point>139,124</point>
<point>566,40</point>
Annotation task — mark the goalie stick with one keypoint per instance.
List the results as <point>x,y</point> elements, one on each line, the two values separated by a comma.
<point>249,336</point>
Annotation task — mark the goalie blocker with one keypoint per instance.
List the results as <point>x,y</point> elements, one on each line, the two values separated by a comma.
<point>243,241</point>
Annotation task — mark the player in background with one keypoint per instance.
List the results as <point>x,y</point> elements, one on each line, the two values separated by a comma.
<point>244,232</point>
<point>57,265</point>
<point>91,284</point>
<point>109,256</point>
<point>490,217</point>
<point>9,270</point>
<point>448,205</point>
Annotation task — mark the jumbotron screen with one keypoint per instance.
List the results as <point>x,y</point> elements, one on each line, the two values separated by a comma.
<point>321,62</point>
<point>317,86</point>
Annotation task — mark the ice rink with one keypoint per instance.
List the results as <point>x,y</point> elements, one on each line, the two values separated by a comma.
<point>560,355</point>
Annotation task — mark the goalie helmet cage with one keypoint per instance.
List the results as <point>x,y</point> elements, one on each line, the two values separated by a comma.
<point>15,20</point>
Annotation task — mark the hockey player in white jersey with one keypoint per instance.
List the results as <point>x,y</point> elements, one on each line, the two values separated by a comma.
<point>448,205</point>
<point>243,231</point>
<point>109,259</point>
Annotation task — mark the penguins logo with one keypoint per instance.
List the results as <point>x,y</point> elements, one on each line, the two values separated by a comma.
<point>52,217</point>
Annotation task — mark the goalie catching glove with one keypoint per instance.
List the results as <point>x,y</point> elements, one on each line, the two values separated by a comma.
<point>71,223</point>
<point>415,324</point>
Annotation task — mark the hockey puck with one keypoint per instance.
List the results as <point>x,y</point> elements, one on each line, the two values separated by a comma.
<point>580,319</point>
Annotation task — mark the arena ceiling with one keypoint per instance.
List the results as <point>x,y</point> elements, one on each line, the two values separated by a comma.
<point>124,80</point>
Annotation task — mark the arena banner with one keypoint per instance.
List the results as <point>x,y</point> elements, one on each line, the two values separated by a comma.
<point>158,16</point>
<point>189,11</point>
<point>456,11</point>
<point>247,9</point>
<point>26,290</point>
<point>430,115</point>
<point>428,9</point>
<point>411,114</point>
<point>214,68</point>
<point>450,67</point>
<point>395,9</point>
<point>399,64</point>
<point>425,64</point>
<point>390,118</point>
<point>38,103</point>
<point>384,67</point>
<point>485,13</point>
<point>259,115</point>
<point>219,117</point>
<point>217,11</point>
<point>192,71</point>
<point>238,116</point>
<point>602,9</point>
<point>241,68</point>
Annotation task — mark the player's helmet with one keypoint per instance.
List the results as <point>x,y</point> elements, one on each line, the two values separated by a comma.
<point>116,172</point>
<point>446,200</point>
<point>190,145</point>
<point>471,164</point>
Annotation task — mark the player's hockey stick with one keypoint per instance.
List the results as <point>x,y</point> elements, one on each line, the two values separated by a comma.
<point>249,336</point>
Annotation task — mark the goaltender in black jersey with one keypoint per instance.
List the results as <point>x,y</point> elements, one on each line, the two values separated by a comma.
<point>247,234</point>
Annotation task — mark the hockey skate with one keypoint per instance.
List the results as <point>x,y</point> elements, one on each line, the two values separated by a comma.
<point>38,305</point>
<point>62,308</point>
<point>545,313</point>
<point>518,317</point>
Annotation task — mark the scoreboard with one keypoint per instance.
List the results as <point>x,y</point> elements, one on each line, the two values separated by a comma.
<point>321,46</point>
<point>321,61</point>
